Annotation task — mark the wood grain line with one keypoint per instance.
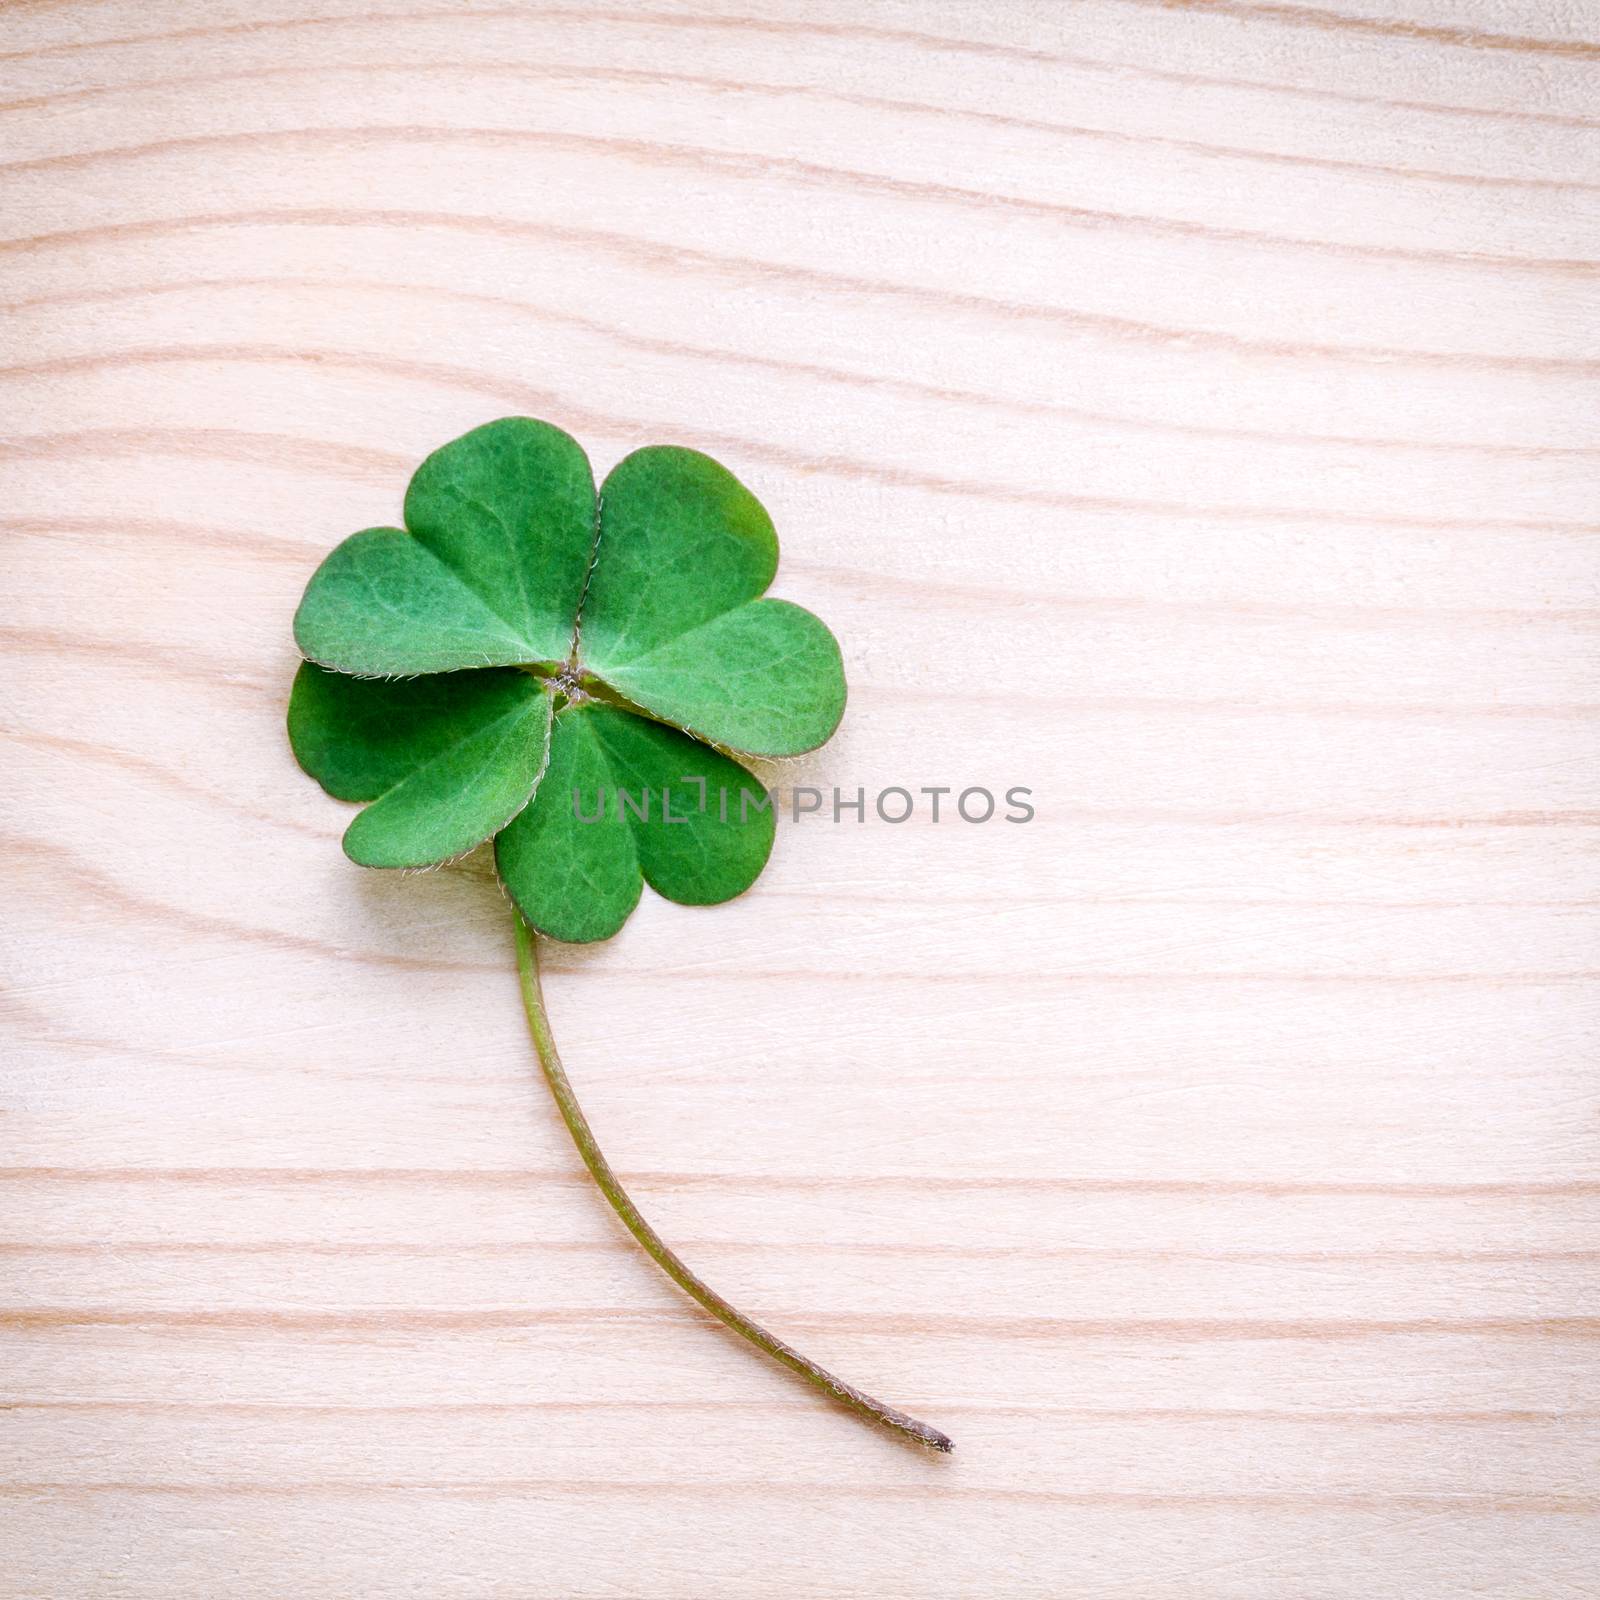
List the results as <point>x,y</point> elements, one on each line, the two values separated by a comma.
<point>745,269</point>
<point>532,72</point>
<point>417,1320</point>
<point>105,890</point>
<point>283,450</point>
<point>861,380</point>
<point>763,168</point>
<point>518,1178</point>
<point>156,772</point>
<point>1374,27</point>
<point>276,548</point>
<point>1223,1415</point>
<point>983,50</point>
<point>494,1249</point>
<point>788,1495</point>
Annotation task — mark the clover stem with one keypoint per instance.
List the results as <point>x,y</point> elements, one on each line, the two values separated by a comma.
<point>657,1248</point>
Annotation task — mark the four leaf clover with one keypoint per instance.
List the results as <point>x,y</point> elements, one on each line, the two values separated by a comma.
<point>570,674</point>
<point>564,672</point>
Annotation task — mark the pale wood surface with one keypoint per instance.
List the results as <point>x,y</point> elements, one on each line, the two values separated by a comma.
<point>1186,411</point>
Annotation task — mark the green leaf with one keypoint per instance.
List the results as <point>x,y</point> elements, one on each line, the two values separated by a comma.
<point>574,880</point>
<point>502,532</point>
<point>447,761</point>
<point>510,509</point>
<point>681,541</point>
<point>766,679</point>
<point>626,800</point>
<point>382,604</point>
<point>669,620</point>
<point>707,824</point>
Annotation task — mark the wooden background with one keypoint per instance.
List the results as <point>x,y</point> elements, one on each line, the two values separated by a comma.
<point>1186,411</point>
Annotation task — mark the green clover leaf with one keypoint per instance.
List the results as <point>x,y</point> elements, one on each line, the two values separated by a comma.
<point>563,669</point>
<point>572,675</point>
